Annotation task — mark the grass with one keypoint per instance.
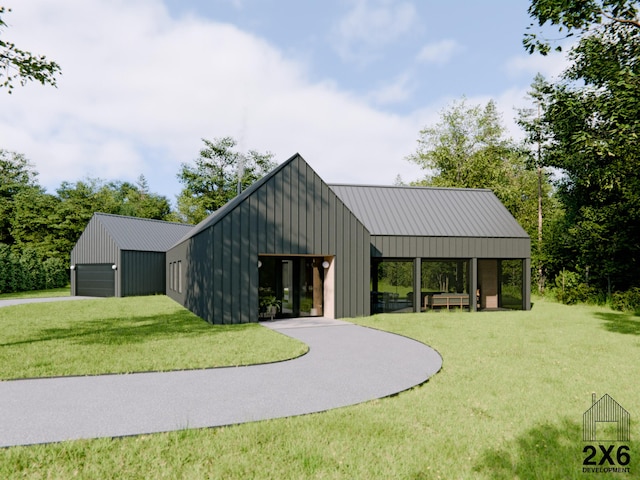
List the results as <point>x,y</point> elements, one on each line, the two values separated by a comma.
<point>118,335</point>
<point>52,292</point>
<point>507,404</point>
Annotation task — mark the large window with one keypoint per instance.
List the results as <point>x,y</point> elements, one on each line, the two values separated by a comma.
<point>511,279</point>
<point>449,276</point>
<point>391,286</point>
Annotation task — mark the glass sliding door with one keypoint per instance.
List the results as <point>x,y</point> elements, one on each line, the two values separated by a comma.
<point>391,285</point>
<point>294,284</point>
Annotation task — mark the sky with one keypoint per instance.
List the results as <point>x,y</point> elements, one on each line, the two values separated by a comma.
<point>347,84</point>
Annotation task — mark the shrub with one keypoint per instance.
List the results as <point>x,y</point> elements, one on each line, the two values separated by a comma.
<point>55,273</point>
<point>569,289</point>
<point>628,301</point>
<point>27,270</point>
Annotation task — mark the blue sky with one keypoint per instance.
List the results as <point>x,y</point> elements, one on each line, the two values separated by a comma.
<point>347,84</point>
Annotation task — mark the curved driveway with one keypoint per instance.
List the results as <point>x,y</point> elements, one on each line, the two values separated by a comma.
<point>346,364</point>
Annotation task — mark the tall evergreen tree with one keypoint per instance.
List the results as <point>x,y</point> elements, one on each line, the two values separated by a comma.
<point>217,176</point>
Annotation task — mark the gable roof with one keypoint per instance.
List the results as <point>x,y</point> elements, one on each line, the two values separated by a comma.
<point>219,214</point>
<point>141,234</point>
<point>429,211</point>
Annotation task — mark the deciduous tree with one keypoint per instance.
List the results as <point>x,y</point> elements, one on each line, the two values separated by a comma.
<point>16,175</point>
<point>20,65</point>
<point>468,148</point>
<point>592,115</point>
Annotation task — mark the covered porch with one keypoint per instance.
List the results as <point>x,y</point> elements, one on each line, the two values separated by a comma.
<point>471,284</point>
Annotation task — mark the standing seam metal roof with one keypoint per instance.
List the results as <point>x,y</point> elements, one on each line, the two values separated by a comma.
<point>428,211</point>
<point>142,234</point>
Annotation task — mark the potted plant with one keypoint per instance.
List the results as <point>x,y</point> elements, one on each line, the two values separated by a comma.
<point>269,304</point>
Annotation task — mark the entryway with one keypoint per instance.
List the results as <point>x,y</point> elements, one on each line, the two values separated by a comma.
<point>292,286</point>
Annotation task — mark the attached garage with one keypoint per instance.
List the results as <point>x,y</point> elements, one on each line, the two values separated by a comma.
<point>122,256</point>
<point>95,280</point>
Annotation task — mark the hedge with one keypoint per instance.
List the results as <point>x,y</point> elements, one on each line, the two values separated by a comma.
<point>26,270</point>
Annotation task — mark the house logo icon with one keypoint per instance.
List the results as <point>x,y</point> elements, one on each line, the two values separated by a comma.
<point>605,419</point>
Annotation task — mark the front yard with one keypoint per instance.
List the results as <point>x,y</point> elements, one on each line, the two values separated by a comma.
<point>508,403</point>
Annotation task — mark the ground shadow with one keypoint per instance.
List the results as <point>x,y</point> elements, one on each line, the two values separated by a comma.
<point>618,322</point>
<point>548,451</point>
<point>121,331</point>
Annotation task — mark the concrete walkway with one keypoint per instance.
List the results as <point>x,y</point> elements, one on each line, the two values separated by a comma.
<point>19,301</point>
<point>346,364</point>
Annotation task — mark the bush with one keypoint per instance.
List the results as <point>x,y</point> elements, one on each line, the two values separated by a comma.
<point>27,270</point>
<point>569,289</point>
<point>628,301</point>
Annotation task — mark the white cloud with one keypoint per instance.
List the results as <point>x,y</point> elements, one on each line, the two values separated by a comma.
<point>440,52</point>
<point>139,89</point>
<point>371,24</point>
<point>551,66</point>
<point>397,91</point>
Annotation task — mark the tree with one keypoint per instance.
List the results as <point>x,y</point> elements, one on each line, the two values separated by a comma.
<point>215,178</point>
<point>530,119</point>
<point>33,222</point>
<point>16,175</point>
<point>468,149</point>
<point>592,115</point>
<point>583,18</point>
<point>79,201</point>
<point>137,201</point>
<point>17,64</point>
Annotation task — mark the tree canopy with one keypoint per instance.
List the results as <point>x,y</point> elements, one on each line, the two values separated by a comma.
<point>592,119</point>
<point>584,17</point>
<point>215,177</point>
<point>20,65</point>
<point>468,148</point>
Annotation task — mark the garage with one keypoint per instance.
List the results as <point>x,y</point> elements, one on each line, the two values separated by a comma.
<point>118,256</point>
<point>95,280</point>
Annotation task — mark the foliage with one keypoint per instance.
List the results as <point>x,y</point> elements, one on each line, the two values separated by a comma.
<point>267,300</point>
<point>628,301</point>
<point>570,289</point>
<point>28,270</point>
<point>17,64</point>
<point>581,18</point>
<point>53,223</point>
<point>468,149</point>
<point>592,116</point>
<point>213,180</point>
<point>549,210</point>
<point>16,175</point>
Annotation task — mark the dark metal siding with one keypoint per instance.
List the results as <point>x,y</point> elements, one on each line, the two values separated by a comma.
<point>94,246</point>
<point>292,212</point>
<point>449,247</point>
<point>142,273</point>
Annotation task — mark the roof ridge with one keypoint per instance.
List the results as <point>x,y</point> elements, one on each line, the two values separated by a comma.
<point>408,187</point>
<point>143,218</point>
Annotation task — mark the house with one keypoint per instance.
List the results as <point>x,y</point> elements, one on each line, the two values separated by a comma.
<point>605,420</point>
<point>295,246</point>
<point>122,256</point>
<point>308,248</point>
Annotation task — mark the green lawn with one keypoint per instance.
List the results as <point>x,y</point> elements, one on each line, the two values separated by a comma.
<point>116,335</point>
<point>507,404</point>
<point>52,292</point>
